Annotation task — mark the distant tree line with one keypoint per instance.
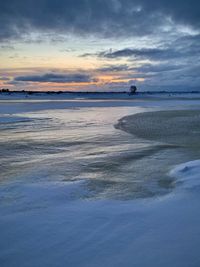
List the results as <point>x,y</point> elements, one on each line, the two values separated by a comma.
<point>131,91</point>
<point>4,90</point>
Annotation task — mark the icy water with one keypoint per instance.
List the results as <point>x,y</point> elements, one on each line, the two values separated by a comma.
<point>78,190</point>
<point>82,144</point>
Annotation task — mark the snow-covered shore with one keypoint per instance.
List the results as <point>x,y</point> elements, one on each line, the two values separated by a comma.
<point>47,220</point>
<point>55,232</point>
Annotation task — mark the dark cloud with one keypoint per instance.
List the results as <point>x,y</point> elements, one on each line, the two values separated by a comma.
<point>166,74</point>
<point>158,68</point>
<point>144,68</point>
<point>4,79</point>
<point>56,78</point>
<point>187,76</point>
<point>150,53</point>
<point>108,18</point>
<point>180,51</point>
<point>113,68</point>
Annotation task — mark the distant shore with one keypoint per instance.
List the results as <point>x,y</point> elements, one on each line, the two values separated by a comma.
<point>104,96</point>
<point>29,92</point>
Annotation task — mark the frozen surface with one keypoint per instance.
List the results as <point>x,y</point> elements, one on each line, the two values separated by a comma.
<point>75,191</point>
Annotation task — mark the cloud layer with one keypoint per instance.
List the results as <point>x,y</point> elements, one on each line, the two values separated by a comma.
<point>108,18</point>
<point>155,43</point>
<point>55,78</point>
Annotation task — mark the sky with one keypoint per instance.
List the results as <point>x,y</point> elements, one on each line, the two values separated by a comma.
<point>100,45</point>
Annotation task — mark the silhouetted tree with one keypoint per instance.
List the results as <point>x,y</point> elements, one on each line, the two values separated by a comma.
<point>133,89</point>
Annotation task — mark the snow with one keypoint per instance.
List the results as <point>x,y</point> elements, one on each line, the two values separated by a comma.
<point>158,232</point>
<point>188,174</point>
<point>48,223</point>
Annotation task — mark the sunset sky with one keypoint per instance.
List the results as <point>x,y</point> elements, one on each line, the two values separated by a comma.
<point>99,44</point>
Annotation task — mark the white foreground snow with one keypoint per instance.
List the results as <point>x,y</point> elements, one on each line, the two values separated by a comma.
<point>188,174</point>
